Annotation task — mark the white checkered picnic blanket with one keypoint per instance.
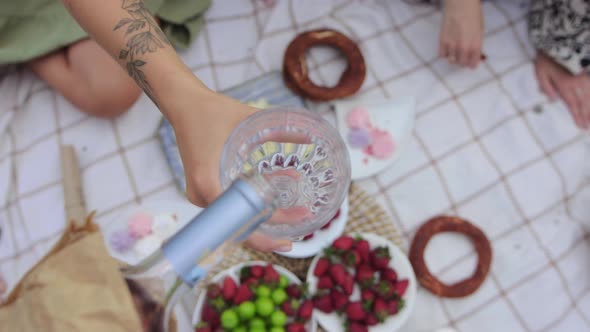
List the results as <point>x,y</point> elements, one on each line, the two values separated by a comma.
<point>487,146</point>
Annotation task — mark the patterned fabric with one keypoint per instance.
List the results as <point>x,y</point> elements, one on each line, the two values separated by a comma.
<point>561,29</point>
<point>487,146</point>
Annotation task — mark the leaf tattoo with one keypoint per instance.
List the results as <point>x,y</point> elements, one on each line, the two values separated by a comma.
<point>144,36</point>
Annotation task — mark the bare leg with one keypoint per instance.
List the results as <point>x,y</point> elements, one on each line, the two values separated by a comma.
<point>89,78</point>
<point>555,81</point>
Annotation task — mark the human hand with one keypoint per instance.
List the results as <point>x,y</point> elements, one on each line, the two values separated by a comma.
<point>556,82</point>
<point>202,122</point>
<point>461,33</point>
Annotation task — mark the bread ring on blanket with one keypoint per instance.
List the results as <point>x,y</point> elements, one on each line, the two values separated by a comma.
<point>450,224</point>
<point>295,71</point>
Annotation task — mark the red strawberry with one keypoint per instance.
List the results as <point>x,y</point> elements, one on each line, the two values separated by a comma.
<point>321,267</point>
<point>296,327</point>
<point>324,303</point>
<point>380,258</point>
<point>229,288</point>
<point>257,271</point>
<point>364,249</point>
<point>339,300</point>
<point>357,327</point>
<point>218,304</point>
<point>338,274</point>
<point>352,258</point>
<point>325,283</point>
<point>326,226</point>
<point>348,286</point>
<point>290,307</point>
<point>367,295</point>
<point>271,276</point>
<point>305,310</point>
<point>355,311</point>
<point>210,315</point>
<point>307,237</point>
<point>213,291</point>
<point>365,276</point>
<point>392,307</point>
<point>252,282</point>
<point>330,252</point>
<point>343,243</point>
<point>385,289</point>
<point>371,320</point>
<point>380,309</point>
<point>389,274</point>
<point>400,287</point>
<point>243,294</point>
<point>294,291</point>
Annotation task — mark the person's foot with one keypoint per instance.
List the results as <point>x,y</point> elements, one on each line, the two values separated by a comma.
<point>461,32</point>
<point>555,81</point>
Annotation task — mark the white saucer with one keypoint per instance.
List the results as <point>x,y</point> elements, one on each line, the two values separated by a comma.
<point>321,238</point>
<point>184,211</point>
<point>399,262</point>
<point>395,116</point>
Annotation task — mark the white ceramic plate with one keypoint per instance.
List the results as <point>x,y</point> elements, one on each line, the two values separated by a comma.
<point>234,272</point>
<point>184,210</point>
<point>183,321</point>
<point>321,238</point>
<point>395,116</point>
<point>399,262</point>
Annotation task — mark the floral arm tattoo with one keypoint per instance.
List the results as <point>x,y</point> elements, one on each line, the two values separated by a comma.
<point>143,35</point>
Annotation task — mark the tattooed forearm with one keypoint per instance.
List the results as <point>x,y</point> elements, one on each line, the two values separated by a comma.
<point>143,36</point>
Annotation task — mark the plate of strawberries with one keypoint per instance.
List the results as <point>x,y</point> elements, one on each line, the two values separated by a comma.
<point>362,283</point>
<point>254,296</point>
<point>315,242</point>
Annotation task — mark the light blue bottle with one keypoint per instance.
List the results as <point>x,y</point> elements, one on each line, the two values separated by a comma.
<point>189,255</point>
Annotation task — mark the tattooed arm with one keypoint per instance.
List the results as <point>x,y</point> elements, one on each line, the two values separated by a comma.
<point>127,31</point>
<point>202,119</point>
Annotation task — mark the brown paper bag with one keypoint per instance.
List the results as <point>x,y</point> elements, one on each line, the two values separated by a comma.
<point>76,287</point>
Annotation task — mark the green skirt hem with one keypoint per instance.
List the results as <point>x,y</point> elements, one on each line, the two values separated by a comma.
<point>44,26</point>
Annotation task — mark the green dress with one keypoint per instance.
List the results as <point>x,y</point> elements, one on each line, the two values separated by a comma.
<point>32,28</point>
